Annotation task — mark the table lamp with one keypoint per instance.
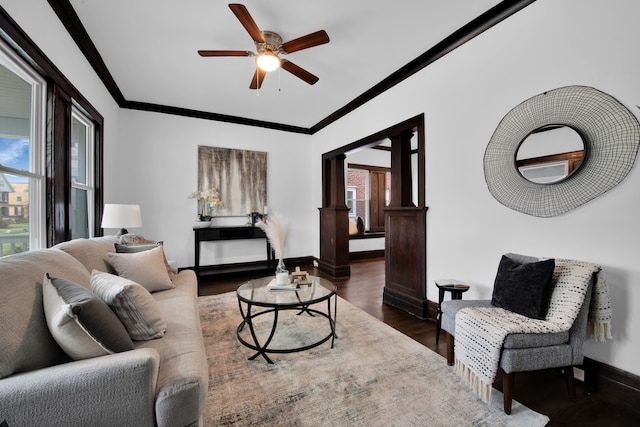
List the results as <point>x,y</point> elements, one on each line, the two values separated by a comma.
<point>121,216</point>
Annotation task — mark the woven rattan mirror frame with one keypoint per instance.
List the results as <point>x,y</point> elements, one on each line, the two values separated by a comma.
<point>611,135</point>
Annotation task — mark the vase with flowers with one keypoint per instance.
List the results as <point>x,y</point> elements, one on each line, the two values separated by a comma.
<point>208,201</point>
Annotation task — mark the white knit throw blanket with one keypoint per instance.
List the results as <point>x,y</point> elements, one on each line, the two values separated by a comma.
<point>481,331</point>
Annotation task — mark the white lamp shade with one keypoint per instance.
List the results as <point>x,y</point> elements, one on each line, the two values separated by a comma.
<point>121,216</point>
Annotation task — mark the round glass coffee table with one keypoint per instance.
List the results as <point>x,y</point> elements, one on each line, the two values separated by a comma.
<point>256,298</point>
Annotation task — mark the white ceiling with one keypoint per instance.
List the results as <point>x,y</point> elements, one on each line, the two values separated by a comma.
<point>150,49</point>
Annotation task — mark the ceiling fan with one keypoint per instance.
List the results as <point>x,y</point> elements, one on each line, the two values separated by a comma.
<point>269,48</point>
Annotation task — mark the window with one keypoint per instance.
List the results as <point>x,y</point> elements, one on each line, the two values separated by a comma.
<point>351,201</point>
<point>372,185</point>
<point>82,131</point>
<point>61,192</point>
<point>22,175</point>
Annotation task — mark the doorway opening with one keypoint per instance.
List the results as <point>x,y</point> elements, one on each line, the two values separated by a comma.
<point>404,215</point>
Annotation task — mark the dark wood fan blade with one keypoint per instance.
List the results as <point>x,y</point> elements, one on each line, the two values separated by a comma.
<point>247,21</point>
<point>225,53</point>
<point>299,72</point>
<point>258,78</point>
<point>305,42</point>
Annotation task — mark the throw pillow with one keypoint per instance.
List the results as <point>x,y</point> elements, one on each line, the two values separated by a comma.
<point>82,324</point>
<point>134,239</point>
<point>353,229</point>
<point>145,268</point>
<point>131,248</point>
<point>523,288</point>
<point>133,304</point>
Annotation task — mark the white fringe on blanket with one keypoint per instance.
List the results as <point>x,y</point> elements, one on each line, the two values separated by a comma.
<point>479,387</point>
<point>481,331</point>
<point>600,313</point>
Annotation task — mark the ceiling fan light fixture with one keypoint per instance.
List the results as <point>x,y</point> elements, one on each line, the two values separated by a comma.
<point>268,61</point>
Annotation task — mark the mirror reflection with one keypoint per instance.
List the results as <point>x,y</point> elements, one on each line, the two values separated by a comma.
<point>550,154</point>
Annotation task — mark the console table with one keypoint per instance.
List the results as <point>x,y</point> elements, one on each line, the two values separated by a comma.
<point>208,234</point>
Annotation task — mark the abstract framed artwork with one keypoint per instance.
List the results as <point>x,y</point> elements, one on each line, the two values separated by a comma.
<point>240,176</point>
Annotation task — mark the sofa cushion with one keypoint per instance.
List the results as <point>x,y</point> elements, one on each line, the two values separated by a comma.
<point>25,341</point>
<point>451,307</point>
<point>523,288</point>
<point>92,253</point>
<point>132,303</point>
<point>131,248</point>
<point>135,239</point>
<point>82,324</point>
<point>146,268</point>
<point>183,376</point>
<point>535,340</point>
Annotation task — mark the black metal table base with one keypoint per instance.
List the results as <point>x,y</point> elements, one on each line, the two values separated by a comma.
<point>263,349</point>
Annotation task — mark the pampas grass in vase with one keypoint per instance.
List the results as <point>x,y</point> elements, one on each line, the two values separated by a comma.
<point>276,228</point>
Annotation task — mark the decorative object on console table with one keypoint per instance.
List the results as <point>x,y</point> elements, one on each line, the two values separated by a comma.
<point>121,216</point>
<point>277,231</point>
<point>300,278</point>
<point>208,201</point>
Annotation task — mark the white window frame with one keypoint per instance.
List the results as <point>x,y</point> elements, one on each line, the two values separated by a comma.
<point>36,172</point>
<point>77,114</point>
<point>353,208</point>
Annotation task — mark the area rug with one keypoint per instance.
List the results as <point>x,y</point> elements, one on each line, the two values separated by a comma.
<point>373,376</point>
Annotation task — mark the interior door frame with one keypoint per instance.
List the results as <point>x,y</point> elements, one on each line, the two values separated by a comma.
<point>334,238</point>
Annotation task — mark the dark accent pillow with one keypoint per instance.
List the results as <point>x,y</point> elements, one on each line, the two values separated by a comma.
<point>523,288</point>
<point>80,322</point>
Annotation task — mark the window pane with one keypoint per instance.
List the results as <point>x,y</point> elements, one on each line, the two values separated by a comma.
<point>20,145</point>
<point>358,179</point>
<point>14,152</point>
<point>14,214</point>
<point>79,212</point>
<point>81,174</point>
<point>15,104</point>
<point>351,199</point>
<point>78,151</point>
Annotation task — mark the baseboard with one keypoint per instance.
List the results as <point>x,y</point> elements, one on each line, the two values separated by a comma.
<point>415,306</point>
<point>357,256</point>
<point>611,382</point>
<point>241,269</point>
<point>432,309</point>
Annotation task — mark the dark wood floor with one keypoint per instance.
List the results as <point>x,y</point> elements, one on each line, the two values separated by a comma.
<point>542,391</point>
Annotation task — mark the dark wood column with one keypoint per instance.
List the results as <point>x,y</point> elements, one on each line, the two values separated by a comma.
<point>58,172</point>
<point>401,177</point>
<point>334,219</point>
<point>406,236</point>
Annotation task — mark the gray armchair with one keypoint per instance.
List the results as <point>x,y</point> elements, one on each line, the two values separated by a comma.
<point>528,351</point>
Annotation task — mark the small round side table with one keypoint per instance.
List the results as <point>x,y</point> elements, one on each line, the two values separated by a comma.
<point>456,289</point>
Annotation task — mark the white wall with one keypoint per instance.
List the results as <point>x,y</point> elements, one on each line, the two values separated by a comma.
<point>464,96</point>
<point>159,169</point>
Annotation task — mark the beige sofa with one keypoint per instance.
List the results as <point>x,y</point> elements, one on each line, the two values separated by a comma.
<point>160,382</point>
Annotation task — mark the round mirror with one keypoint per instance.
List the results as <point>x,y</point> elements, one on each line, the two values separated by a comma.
<point>550,154</point>
<point>610,141</point>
